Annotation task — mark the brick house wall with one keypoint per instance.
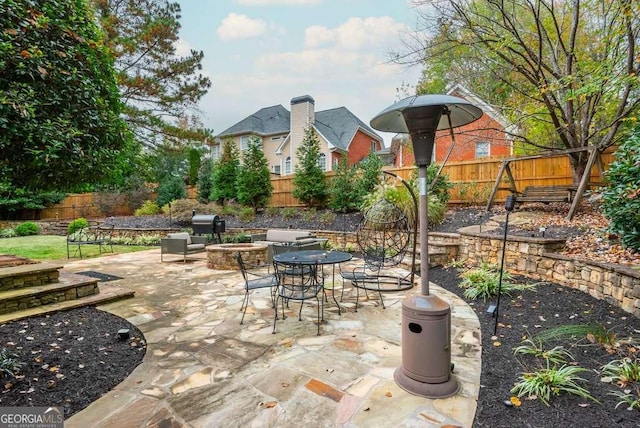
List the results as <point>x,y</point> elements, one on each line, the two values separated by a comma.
<point>361,146</point>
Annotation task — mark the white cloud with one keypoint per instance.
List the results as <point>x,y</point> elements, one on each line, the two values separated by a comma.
<point>357,33</point>
<point>277,2</point>
<point>235,26</point>
<point>183,48</point>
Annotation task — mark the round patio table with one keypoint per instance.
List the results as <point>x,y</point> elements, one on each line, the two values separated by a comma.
<point>316,257</point>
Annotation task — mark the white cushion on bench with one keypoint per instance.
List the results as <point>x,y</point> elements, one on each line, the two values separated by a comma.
<point>284,235</point>
<point>181,235</point>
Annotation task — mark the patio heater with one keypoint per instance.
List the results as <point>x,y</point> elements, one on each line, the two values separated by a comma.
<point>426,319</point>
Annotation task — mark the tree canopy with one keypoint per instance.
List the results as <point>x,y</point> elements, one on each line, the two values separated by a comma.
<point>158,86</point>
<point>564,72</point>
<point>60,122</point>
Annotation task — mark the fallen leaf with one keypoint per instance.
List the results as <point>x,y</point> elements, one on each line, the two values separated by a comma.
<point>269,404</point>
<point>388,394</point>
<point>496,343</point>
<point>284,384</point>
<point>515,401</point>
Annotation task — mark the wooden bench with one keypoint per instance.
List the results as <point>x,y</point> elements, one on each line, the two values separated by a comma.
<point>547,194</point>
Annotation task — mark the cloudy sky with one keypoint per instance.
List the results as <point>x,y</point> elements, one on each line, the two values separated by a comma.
<point>260,53</point>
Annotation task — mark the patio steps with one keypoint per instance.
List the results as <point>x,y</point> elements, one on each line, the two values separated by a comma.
<point>41,288</point>
<point>443,248</point>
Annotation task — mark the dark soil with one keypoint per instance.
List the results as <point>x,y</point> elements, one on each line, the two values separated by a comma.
<point>527,314</point>
<point>71,358</point>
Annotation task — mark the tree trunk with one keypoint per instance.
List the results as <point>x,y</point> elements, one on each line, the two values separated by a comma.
<point>578,165</point>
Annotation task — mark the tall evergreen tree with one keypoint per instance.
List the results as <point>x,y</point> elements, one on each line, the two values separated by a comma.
<point>225,174</point>
<point>157,85</point>
<point>309,182</point>
<point>60,124</point>
<point>254,179</point>
<point>344,195</point>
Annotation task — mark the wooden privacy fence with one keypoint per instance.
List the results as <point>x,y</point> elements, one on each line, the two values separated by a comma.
<point>472,184</point>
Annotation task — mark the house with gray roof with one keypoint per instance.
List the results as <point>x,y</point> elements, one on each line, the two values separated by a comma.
<point>281,132</point>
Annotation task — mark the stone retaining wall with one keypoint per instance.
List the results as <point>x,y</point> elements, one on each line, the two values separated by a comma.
<point>28,280</point>
<point>537,257</point>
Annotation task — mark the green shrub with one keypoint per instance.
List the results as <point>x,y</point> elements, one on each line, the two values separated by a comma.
<point>170,189</point>
<point>148,208</point>
<point>9,363</point>
<point>442,186</point>
<point>77,224</point>
<point>27,228</point>
<point>344,195</point>
<point>621,201</point>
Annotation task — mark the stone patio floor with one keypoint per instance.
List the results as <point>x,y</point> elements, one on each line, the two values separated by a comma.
<point>203,369</point>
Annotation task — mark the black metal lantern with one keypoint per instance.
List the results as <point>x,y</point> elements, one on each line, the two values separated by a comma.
<point>426,319</point>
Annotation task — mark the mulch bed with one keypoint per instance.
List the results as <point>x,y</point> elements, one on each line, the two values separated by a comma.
<point>526,314</point>
<point>71,358</point>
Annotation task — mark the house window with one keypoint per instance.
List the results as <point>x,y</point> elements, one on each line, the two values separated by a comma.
<point>287,165</point>
<point>373,145</point>
<point>276,169</point>
<point>482,149</point>
<point>322,161</point>
<point>215,152</point>
<point>336,162</point>
<point>275,138</point>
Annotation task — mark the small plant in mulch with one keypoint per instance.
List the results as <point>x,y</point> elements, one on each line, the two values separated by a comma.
<point>484,282</point>
<point>552,374</point>
<point>9,363</point>
<point>289,213</point>
<point>625,373</point>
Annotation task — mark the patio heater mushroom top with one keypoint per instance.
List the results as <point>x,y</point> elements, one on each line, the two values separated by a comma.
<point>426,319</point>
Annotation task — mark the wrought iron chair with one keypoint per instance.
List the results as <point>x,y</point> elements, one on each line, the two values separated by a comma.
<point>383,237</point>
<point>250,284</point>
<point>299,284</point>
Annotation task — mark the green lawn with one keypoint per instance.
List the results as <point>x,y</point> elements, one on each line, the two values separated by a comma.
<point>48,247</point>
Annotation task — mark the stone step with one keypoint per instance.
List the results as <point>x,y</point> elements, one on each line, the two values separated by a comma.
<point>106,294</point>
<point>28,275</point>
<point>437,257</point>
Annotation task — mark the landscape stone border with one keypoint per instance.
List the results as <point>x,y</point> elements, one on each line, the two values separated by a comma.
<point>538,258</point>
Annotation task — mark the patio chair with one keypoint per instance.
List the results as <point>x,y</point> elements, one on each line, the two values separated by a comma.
<point>302,284</point>
<point>250,284</point>
<point>384,236</point>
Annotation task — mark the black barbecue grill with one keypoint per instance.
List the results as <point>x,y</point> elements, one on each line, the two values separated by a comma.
<point>208,224</point>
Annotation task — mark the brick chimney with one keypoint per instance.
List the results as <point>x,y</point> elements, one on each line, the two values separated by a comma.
<point>302,114</point>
